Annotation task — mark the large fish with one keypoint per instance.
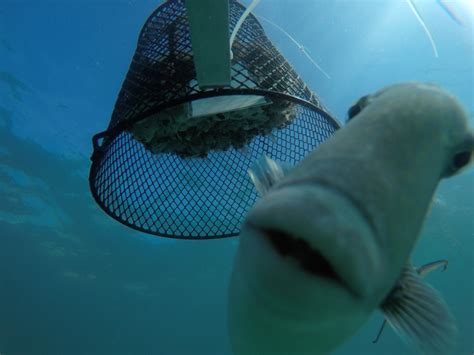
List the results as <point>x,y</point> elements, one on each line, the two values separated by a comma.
<point>330,241</point>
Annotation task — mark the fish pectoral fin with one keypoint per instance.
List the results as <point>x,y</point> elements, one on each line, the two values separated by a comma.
<point>422,271</point>
<point>265,172</point>
<point>418,313</point>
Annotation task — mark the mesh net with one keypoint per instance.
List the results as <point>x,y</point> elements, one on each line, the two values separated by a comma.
<point>197,198</point>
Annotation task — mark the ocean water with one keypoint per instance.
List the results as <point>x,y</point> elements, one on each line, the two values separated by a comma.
<point>74,281</point>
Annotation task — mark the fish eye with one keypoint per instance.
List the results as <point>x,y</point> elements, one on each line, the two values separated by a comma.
<point>461,159</point>
<point>355,109</point>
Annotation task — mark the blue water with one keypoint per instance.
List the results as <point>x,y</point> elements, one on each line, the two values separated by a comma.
<point>73,281</point>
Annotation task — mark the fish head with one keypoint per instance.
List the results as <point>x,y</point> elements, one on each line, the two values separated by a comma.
<point>446,124</point>
<point>325,245</point>
<point>460,150</point>
<point>301,284</point>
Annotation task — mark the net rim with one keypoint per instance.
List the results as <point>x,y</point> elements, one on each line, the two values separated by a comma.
<point>109,134</point>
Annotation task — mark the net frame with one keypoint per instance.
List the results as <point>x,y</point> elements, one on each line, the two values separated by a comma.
<point>197,198</point>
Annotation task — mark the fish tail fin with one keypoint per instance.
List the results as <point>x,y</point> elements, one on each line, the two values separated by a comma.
<point>418,313</point>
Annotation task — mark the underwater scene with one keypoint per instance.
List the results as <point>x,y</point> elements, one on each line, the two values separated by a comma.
<point>226,177</point>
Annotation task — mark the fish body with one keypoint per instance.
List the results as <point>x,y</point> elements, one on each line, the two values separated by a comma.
<point>330,241</point>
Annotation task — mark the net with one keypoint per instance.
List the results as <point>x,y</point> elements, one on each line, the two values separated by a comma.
<point>173,161</point>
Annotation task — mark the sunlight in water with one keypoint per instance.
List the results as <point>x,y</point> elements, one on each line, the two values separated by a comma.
<point>468,5</point>
<point>459,11</point>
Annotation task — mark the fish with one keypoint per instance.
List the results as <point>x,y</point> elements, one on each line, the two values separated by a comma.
<point>422,271</point>
<point>330,240</point>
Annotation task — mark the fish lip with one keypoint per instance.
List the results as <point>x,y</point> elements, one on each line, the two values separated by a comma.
<point>357,258</point>
<point>310,259</point>
<point>322,183</point>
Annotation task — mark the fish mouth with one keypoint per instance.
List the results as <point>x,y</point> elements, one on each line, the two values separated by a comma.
<point>308,258</point>
<point>327,235</point>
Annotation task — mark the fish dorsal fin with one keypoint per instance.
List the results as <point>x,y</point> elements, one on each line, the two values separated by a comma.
<point>265,172</point>
<point>417,312</point>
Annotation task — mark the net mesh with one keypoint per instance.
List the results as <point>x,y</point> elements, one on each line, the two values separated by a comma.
<point>196,198</point>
